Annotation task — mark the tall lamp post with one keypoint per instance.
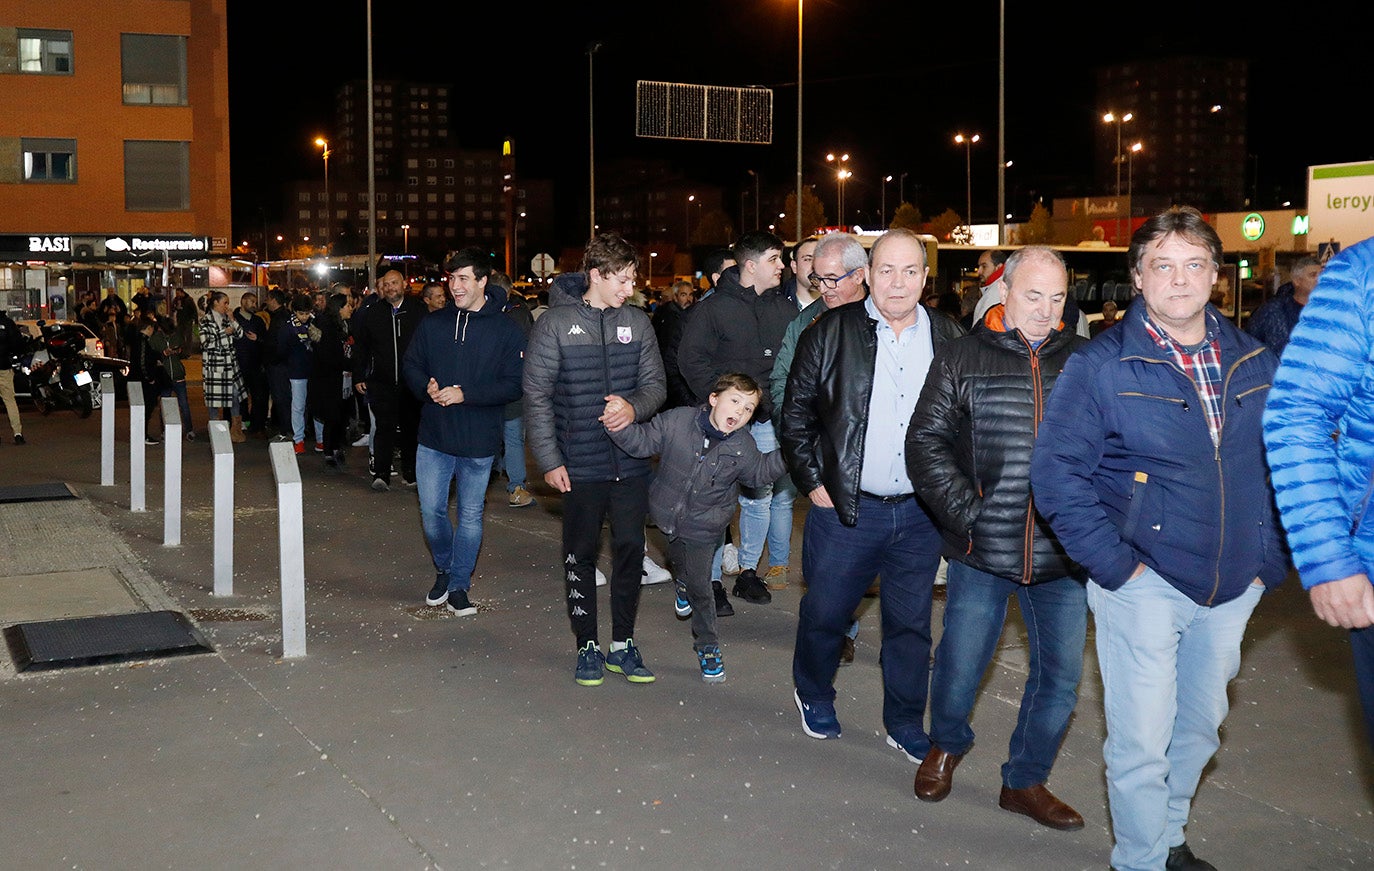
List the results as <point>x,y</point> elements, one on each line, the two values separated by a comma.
<point>591,142</point>
<point>756,203</point>
<point>328,206</point>
<point>967,142</point>
<point>840,175</point>
<point>648,284</point>
<point>1130,165</point>
<point>886,179</point>
<point>687,217</point>
<point>798,207</point>
<point>1118,120</point>
<point>405,266</point>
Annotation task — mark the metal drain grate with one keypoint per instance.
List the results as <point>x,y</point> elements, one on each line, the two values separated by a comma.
<point>98,640</point>
<point>35,493</point>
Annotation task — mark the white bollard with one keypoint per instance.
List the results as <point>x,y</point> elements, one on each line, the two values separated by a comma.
<point>138,451</point>
<point>171,472</point>
<point>223,450</point>
<point>107,429</point>
<point>291,547</point>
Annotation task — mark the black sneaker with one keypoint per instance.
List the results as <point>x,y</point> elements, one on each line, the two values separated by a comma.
<point>458,603</point>
<point>723,606</point>
<point>749,588</point>
<point>438,594</point>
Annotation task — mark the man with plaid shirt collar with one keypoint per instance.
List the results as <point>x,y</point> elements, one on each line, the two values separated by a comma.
<point>1150,468</point>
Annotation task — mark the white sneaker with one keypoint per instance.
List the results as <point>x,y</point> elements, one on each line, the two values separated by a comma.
<point>654,573</point>
<point>600,578</point>
<point>362,440</point>
<point>729,560</point>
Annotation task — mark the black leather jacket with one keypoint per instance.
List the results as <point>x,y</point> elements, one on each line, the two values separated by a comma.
<point>969,445</point>
<point>825,406</point>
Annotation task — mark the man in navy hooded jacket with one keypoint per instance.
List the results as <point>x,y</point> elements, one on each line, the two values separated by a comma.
<point>464,364</point>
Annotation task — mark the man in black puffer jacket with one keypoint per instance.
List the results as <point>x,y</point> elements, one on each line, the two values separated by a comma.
<point>968,453</point>
<point>593,366</point>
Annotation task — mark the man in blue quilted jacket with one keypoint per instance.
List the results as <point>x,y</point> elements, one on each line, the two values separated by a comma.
<point>1149,466</point>
<point>1323,485</point>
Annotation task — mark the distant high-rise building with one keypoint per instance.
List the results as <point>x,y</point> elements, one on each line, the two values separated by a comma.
<point>1189,116</point>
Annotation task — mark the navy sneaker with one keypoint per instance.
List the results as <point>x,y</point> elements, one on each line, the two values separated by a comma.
<point>712,664</point>
<point>629,663</point>
<point>681,606</point>
<point>909,748</point>
<point>459,604</point>
<point>590,663</point>
<point>818,718</point>
<point>438,594</point>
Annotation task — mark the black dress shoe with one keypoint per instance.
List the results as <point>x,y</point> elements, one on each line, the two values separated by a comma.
<point>1182,859</point>
<point>723,606</point>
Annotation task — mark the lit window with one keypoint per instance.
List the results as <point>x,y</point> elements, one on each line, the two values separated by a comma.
<point>45,51</point>
<point>49,160</point>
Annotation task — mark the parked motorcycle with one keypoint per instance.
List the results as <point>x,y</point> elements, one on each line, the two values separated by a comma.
<point>60,373</point>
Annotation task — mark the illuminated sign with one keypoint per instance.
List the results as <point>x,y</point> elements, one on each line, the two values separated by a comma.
<point>1300,224</point>
<point>1252,226</point>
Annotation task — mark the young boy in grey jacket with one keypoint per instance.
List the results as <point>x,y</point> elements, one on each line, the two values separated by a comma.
<point>705,454</point>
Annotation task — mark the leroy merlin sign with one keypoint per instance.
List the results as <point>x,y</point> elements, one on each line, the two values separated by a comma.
<point>1340,202</point>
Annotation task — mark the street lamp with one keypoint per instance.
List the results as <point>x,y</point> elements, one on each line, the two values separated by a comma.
<point>886,179</point>
<point>1118,120</point>
<point>328,206</point>
<point>798,207</point>
<point>591,141</point>
<point>1130,153</point>
<point>687,217</point>
<point>756,203</point>
<point>840,175</point>
<point>649,283</point>
<point>967,142</point>
<point>405,265</point>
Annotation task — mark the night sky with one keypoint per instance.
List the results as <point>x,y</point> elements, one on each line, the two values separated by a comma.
<point>888,82</point>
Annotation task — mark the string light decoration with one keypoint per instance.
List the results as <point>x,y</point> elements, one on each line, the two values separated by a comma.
<point>703,113</point>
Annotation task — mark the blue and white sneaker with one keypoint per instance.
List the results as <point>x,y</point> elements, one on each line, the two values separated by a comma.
<point>438,594</point>
<point>628,662</point>
<point>590,663</point>
<point>681,606</point>
<point>712,664</point>
<point>818,718</point>
<point>908,748</point>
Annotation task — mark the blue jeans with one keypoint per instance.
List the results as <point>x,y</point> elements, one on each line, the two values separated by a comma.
<point>1056,617</point>
<point>1362,646</point>
<point>454,548</point>
<point>767,512</point>
<point>178,389</point>
<point>1165,663</point>
<point>513,458</point>
<point>299,391</point>
<point>899,542</point>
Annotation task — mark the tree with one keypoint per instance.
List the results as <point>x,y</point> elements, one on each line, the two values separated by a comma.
<point>1036,230</point>
<point>813,215</point>
<point>942,226</point>
<point>907,217</point>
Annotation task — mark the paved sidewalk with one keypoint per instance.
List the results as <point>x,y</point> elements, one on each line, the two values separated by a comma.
<point>410,738</point>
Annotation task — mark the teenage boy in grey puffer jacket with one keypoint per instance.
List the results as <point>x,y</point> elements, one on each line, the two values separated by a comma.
<point>705,454</point>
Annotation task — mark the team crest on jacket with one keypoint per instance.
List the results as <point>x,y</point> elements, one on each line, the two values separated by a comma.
<point>623,335</point>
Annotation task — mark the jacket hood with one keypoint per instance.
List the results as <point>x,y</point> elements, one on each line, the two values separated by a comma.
<point>568,289</point>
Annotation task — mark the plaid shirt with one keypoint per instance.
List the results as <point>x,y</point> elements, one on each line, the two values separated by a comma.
<point>1202,363</point>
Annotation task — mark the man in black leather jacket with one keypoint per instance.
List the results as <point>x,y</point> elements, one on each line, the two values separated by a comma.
<point>850,394</point>
<point>968,452</point>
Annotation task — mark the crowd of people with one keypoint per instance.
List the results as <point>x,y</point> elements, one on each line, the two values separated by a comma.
<point>1144,476</point>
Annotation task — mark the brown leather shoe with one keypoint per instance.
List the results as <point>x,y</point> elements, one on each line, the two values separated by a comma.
<point>846,651</point>
<point>936,775</point>
<point>1040,804</point>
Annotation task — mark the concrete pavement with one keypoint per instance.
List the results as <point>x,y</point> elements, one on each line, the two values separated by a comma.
<point>410,738</point>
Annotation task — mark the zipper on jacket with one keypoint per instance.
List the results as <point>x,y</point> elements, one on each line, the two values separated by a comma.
<point>1038,405</point>
<point>1221,476</point>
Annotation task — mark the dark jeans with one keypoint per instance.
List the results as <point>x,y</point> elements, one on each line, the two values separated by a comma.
<point>398,420</point>
<point>1056,616</point>
<point>898,542</point>
<point>691,562</point>
<point>255,381</point>
<point>1362,645</point>
<point>280,387</point>
<point>625,503</point>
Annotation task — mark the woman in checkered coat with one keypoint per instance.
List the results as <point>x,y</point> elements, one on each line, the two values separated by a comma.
<point>222,381</point>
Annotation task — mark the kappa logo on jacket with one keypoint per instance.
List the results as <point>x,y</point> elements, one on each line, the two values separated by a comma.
<point>576,330</point>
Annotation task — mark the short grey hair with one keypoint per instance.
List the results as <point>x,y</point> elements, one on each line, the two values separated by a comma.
<point>852,253</point>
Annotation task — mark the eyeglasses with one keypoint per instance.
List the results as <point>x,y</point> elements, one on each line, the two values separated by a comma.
<point>831,283</point>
